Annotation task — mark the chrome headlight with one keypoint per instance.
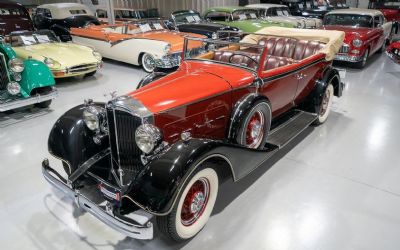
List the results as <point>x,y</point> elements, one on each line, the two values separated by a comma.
<point>214,35</point>
<point>13,88</point>
<point>16,65</point>
<point>97,55</point>
<point>49,62</point>
<point>357,43</point>
<point>147,137</point>
<point>167,48</point>
<point>92,116</point>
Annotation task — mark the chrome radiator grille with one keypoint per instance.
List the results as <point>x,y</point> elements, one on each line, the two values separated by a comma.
<point>124,151</point>
<point>3,72</point>
<point>344,49</point>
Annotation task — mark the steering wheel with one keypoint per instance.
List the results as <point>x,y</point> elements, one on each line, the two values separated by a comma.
<point>254,60</point>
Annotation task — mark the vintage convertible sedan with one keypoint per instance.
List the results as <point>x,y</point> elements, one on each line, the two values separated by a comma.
<point>147,43</point>
<point>243,18</point>
<point>393,51</point>
<point>161,150</point>
<point>191,21</point>
<point>60,17</point>
<point>63,59</point>
<point>23,82</point>
<point>280,12</point>
<point>367,32</point>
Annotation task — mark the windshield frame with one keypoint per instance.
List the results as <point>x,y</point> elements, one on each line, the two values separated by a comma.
<point>348,14</point>
<point>256,12</point>
<point>187,13</point>
<point>53,38</point>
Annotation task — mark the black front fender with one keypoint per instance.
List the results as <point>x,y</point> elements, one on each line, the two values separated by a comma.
<point>71,141</point>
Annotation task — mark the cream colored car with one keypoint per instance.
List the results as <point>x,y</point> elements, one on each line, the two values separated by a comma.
<point>280,13</point>
<point>63,59</point>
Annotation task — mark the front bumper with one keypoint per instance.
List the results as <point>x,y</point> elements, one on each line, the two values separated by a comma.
<point>169,61</point>
<point>18,103</point>
<point>136,225</point>
<point>394,57</point>
<point>347,58</point>
<point>77,70</point>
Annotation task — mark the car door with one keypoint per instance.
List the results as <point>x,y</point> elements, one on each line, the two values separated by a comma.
<point>378,37</point>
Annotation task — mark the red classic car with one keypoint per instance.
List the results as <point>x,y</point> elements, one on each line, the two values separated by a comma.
<point>393,51</point>
<point>161,150</point>
<point>367,32</point>
<point>13,17</point>
<point>390,9</point>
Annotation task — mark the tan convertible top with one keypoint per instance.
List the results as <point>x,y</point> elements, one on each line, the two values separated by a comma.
<point>332,38</point>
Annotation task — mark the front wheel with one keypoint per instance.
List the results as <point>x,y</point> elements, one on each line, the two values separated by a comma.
<point>148,63</point>
<point>193,206</point>
<point>361,64</point>
<point>325,106</point>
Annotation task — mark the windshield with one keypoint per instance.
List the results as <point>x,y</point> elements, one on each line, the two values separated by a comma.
<point>136,27</point>
<point>279,11</point>
<point>187,17</point>
<point>349,20</point>
<point>224,52</point>
<point>244,15</point>
<point>32,38</point>
<point>12,12</point>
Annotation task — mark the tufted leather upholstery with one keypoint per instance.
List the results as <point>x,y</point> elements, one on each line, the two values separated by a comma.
<point>291,48</point>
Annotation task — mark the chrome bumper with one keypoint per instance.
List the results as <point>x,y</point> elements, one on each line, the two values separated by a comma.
<point>17,103</point>
<point>168,61</point>
<point>347,58</point>
<point>136,225</point>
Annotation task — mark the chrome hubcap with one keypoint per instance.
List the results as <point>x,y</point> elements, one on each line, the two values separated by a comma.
<point>255,130</point>
<point>148,62</point>
<point>325,102</point>
<point>195,202</point>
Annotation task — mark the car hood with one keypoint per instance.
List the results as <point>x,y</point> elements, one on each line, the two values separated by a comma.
<point>67,54</point>
<point>193,82</point>
<point>350,32</point>
<point>175,39</point>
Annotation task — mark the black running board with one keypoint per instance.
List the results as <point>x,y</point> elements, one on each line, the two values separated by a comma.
<point>292,127</point>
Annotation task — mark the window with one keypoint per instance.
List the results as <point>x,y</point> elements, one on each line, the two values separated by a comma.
<point>12,12</point>
<point>349,20</point>
<point>77,12</point>
<point>218,16</point>
<point>43,12</point>
<point>378,21</point>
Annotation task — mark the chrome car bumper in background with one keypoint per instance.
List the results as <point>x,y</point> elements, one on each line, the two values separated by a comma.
<point>348,58</point>
<point>169,61</point>
<point>77,70</point>
<point>135,225</point>
<point>22,102</point>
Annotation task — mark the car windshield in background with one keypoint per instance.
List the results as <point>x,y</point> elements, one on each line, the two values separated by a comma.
<point>135,27</point>
<point>348,20</point>
<point>187,17</point>
<point>78,12</point>
<point>8,12</point>
<point>282,11</point>
<point>244,15</point>
<point>224,52</point>
<point>32,38</point>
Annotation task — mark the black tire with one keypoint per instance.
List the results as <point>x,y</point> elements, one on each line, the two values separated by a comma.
<point>91,73</point>
<point>255,140</point>
<point>361,64</point>
<point>177,224</point>
<point>43,105</point>
<point>325,105</point>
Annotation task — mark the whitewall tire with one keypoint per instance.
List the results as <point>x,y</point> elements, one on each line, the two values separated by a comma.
<point>193,207</point>
<point>148,62</point>
<point>326,104</point>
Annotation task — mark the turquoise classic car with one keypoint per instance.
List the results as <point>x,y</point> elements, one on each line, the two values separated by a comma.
<point>243,18</point>
<point>23,82</point>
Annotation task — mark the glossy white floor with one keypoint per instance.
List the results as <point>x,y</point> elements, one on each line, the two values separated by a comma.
<point>336,187</point>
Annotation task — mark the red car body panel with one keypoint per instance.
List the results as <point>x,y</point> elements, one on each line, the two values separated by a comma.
<point>372,38</point>
<point>393,51</point>
<point>391,14</point>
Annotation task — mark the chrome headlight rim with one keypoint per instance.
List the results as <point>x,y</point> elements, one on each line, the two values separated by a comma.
<point>49,62</point>
<point>357,43</point>
<point>147,137</point>
<point>16,65</point>
<point>13,88</point>
<point>92,116</point>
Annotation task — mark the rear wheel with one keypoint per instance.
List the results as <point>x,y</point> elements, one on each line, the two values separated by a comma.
<point>326,104</point>
<point>193,206</point>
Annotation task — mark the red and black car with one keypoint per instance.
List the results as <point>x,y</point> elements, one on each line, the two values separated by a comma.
<point>161,150</point>
<point>13,17</point>
<point>390,9</point>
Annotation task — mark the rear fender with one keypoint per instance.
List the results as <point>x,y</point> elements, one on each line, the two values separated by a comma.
<point>71,141</point>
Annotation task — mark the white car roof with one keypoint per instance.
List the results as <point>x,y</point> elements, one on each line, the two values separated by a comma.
<point>266,5</point>
<point>62,10</point>
<point>370,12</point>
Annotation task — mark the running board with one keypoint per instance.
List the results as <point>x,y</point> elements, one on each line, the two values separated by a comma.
<point>284,133</point>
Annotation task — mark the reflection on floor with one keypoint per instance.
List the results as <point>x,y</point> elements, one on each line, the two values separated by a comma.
<point>335,187</point>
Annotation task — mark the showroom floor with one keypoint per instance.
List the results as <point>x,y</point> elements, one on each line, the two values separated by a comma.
<point>336,187</point>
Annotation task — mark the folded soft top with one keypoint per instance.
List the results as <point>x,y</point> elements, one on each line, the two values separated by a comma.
<point>332,38</point>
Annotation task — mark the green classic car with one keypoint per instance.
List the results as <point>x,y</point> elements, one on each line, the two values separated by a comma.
<point>23,82</point>
<point>243,18</point>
